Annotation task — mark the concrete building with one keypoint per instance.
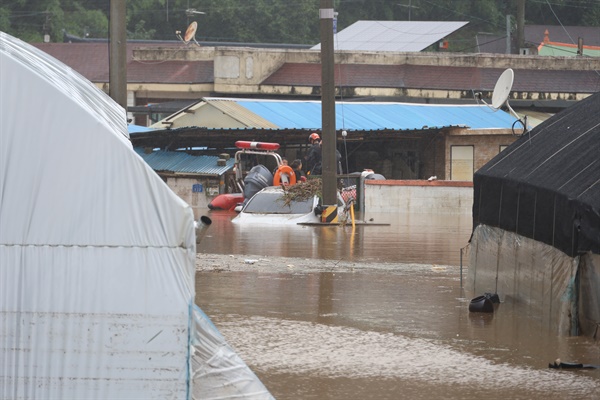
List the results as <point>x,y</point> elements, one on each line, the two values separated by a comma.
<point>195,179</point>
<point>169,76</point>
<point>173,71</point>
<point>397,140</point>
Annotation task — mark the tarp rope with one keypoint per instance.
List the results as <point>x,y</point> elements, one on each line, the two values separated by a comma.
<point>344,133</point>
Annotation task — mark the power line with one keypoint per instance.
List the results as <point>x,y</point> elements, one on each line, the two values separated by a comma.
<point>558,19</point>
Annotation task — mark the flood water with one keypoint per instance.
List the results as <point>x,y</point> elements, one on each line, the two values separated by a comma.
<point>419,238</point>
<point>397,330</point>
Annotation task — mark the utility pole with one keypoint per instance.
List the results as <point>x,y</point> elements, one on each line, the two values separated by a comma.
<point>520,25</point>
<point>329,174</point>
<point>508,40</point>
<point>410,7</point>
<point>117,53</point>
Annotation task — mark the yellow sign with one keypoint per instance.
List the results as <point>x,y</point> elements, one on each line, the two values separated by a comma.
<point>330,215</point>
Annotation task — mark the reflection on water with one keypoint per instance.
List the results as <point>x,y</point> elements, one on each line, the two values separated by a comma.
<point>400,332</point>
<point>420,238</point>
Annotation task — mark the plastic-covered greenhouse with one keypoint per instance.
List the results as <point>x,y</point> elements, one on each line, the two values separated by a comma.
<point>536,219</point>
<point>97,254</point>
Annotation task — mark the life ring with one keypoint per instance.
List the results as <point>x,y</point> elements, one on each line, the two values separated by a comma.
<point>284,170</point>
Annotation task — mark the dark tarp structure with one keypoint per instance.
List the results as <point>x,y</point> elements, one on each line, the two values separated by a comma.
<point>536,220</point>
<point>546,185</point>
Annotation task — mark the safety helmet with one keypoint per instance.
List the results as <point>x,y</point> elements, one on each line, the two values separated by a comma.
<point>314,136</point>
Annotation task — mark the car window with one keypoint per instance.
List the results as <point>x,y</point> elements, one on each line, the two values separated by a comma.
<point>273,203</point>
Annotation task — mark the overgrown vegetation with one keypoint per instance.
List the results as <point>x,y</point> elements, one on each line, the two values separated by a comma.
<point>303,190</point>
<point>273,21</point>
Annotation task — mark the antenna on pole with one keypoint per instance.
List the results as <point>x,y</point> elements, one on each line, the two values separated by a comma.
<point>190,12</point>
<point>409,6</point>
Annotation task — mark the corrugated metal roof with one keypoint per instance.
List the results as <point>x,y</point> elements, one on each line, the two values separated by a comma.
<point>243,115</point>
<point>179,162</point>
<point>378,116</point>
<point>131,128</point>
<point>393,35</point>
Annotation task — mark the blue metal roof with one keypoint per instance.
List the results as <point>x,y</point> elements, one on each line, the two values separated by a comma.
<point>131,128</point>
<point>378,116</point>
<point>174,161</point>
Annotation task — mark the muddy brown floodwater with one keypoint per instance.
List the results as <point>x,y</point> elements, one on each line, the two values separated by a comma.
<point>378,313</point>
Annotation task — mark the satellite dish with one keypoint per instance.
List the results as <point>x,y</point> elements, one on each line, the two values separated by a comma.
<point>502,92</point>
<point>502,88</point>
<point>190,33</point>
<point>500,96</point>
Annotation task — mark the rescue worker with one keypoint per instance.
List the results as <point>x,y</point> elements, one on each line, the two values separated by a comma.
<point>313,157</point>
<point>297,167</point>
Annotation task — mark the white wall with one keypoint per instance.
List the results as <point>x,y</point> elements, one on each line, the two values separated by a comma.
<point>442,197</point>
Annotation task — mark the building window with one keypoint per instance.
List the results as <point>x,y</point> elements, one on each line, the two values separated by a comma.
<point>461,163</point>
<point>502,147</point>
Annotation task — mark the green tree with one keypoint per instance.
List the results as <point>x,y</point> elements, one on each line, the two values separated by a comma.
<point>30,20</point>
<point>592,16</point>
<point>86,23</point>
<point>274,21</point>
<point>4,19</point>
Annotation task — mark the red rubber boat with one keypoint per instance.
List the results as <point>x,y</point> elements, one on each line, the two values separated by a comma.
<point>227,201</point>
<point>252,181</point>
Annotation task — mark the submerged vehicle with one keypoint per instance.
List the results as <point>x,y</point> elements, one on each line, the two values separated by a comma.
<point>269,206</point>
<point>268,197</point>
<point>272,206</point>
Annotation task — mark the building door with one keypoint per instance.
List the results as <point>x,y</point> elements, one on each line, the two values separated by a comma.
<point>462,166</point>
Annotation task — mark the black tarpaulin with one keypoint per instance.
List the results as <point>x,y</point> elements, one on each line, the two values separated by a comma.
<point>546,185</point>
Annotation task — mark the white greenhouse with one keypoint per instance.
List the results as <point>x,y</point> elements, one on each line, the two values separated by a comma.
<point>97,254</point>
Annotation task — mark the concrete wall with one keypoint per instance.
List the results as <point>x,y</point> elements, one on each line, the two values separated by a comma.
<point>488,60</point>
<point>444,197</point>
<point>240,70</point>
<point>183,187</point>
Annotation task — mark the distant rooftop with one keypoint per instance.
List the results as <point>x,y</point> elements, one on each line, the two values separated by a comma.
<point>553,48</point>
<point>353,116</point>
<point>565,34</point>
<point>393,35</point>
<point>535,34</point>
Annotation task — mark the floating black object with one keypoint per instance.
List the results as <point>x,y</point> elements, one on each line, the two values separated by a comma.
<point>481,304</point>
<point>493,297</point>
<point>570,365</point>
